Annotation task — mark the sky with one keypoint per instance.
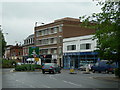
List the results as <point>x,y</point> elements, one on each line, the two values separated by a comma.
<point>19,17</point>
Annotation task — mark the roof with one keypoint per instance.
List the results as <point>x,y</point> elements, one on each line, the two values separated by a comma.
<point>30,36</point>
<point>68,19</point>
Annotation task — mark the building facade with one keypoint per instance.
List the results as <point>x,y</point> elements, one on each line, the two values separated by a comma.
<point>49,37</point>
<point>7,52</point>
<point>79,50</point>
<point>16,52</point>
<point>28,42</point>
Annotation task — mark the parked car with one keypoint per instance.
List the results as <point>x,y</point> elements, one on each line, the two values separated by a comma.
<point>104,66</point>
<point>19,63</point>
<point>51,67</point>
<point>83,67</point>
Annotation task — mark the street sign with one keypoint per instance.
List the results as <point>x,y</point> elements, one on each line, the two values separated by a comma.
<point>33,51</point>
<point>36,59</point>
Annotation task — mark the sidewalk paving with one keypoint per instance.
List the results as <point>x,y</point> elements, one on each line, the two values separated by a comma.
<point>116,79</point>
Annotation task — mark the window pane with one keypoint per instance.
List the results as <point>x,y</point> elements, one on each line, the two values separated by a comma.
<point>88,46</point>
<point>71,47</point>
<point>82,46</point>
<point>85,46</point>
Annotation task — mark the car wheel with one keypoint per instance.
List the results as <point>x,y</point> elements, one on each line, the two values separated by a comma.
<point>43,72</point>
<point>93,71</point>
<point>112,72</point>
<point>106,71</point>
<point>54,71</point>
<point>99,71</point>
<point>59,71</point>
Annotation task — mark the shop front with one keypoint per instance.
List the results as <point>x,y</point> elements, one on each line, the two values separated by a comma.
<point>77,58</point>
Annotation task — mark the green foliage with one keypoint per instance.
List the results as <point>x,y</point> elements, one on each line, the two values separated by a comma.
<point>107,25</point>
<point>37,66</point>
<point>117,72</point>
<point>20,68</point>
<point>8,63</point>
<point>27,67</point>
<point>2,44</point>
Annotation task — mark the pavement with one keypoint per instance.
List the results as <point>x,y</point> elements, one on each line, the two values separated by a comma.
<point>116,79</point>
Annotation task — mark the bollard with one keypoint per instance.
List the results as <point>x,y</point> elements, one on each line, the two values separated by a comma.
<point>87,69</point>
<point>72,71</point>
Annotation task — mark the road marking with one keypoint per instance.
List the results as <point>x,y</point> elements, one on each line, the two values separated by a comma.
<point>11,70</point>
<point>72,83</point>
<point>23,82</point>
<point>91,77</point>
<point>17,80</point>
<point>52,77</point>
<point>14,74</point>
<point>46,86</point>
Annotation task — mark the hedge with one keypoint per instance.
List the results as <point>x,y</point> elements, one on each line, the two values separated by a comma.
<point>27,67</point>
<point>117,72</point>
<point>8,63</point>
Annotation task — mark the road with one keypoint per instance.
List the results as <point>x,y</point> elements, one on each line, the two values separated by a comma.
<point>62,80</point>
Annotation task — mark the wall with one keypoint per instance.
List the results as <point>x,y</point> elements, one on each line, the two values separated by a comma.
<point>77,41</point>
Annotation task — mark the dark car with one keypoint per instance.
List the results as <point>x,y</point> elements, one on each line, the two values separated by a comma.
<point>104,66</point>
<point>51,68</point>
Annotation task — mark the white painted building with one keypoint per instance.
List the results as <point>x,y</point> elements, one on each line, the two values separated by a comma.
<point>77,50</point>
<point>79,44</point>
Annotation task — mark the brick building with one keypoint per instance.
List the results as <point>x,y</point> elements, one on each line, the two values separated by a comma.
<point>16,52</point>
<point>49,37</point>
<point>7,51</point>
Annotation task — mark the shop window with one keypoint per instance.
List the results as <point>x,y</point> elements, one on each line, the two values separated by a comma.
<point>71,47</point>
<point>85,46</point>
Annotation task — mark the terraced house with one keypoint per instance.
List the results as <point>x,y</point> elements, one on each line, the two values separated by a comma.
<point>49,37</point>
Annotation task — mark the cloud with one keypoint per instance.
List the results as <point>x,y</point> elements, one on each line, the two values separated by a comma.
<point>19,18</point>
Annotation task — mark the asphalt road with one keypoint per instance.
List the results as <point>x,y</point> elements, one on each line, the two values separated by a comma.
<point>62,80</point>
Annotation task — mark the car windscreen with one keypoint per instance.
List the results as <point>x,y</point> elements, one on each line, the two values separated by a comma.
<point>48,65</point>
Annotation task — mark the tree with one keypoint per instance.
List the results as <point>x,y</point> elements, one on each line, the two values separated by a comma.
<point>107,25</point>
<point>2,44</point>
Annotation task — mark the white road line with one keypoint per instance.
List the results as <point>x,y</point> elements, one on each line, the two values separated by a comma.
<point>46,86</point>
<point>52,77</point>
<point>91,77</point>
<point>72,83</point>
<point>23,82</point>
<point>14,74</point>
<point>11,70</point>
<point>17,80</point>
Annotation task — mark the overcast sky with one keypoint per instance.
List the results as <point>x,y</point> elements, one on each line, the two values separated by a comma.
<point>18,18</point>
